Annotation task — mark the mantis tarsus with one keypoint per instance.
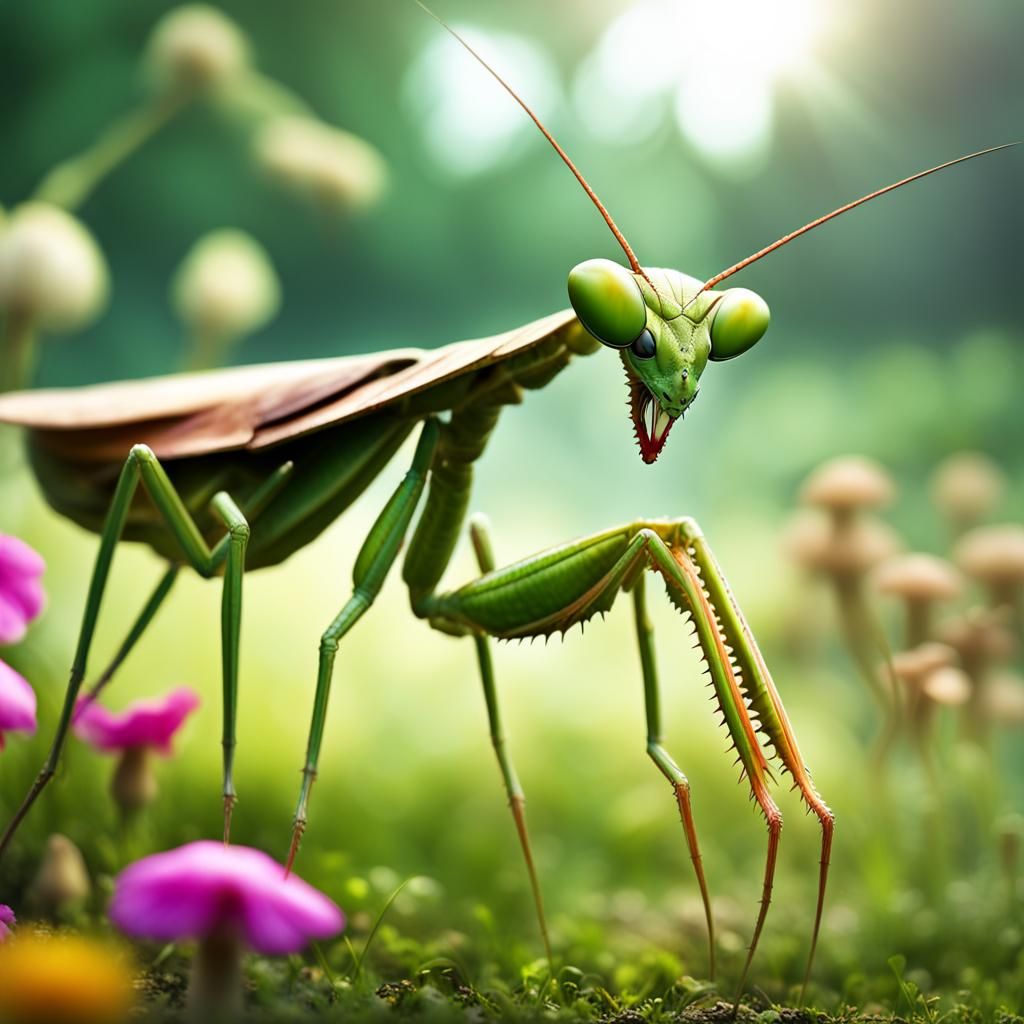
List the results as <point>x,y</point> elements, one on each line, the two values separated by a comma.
<point>235,470</point>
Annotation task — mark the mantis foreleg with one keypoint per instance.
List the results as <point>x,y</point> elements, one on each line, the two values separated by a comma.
<point>143,467</point>
<point>567,585</point>
<point>661,757</point>
<point>759,688</point>
<point>516,796</point>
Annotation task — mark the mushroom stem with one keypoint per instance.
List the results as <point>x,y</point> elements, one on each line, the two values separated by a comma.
<point>215,985</point>
<point>18,350</point>
<point>918,622</point>
<point>134,785</point>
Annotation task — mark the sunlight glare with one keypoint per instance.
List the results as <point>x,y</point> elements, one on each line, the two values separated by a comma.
<point>718,63</point>
<point>469,123</point>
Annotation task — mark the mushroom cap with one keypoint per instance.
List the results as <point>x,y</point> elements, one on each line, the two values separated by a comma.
<point>17,703</point>
<point>948,685</point>
<point>144,723</point>
<point>21,591</point>
<point>980,633</point>
<point>919,662</point>
<point>333,166</point>
<point>993,554</point>
<point>1003,698</point>
<point>195,47</point>
<point>7,918</point>
<point>967,486</point>
<point>815,544</point>
<point>63,879</point>
<point>51,267</point>
<point>205,886</point>
<point>848,482</point>
<point>226,286</point>
<point>918,577</point>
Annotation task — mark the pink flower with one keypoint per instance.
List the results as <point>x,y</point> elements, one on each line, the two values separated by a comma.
<point>21,592</point>
<point>208,889</point>
<point>17,704</point>
<point>6,920</point>
<point>144,723</point>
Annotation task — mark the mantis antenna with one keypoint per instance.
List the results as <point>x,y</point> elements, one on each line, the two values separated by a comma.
<point>817,222</point>
<point>619,237</point>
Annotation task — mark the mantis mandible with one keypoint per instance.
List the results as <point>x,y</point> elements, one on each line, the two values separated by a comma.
<point>230,471</point>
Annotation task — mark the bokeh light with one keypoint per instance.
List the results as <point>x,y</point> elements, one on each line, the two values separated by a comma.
<point>468,122</point>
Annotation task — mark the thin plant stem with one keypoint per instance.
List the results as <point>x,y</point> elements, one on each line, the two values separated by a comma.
<point>17,350</point>
<point>71,182</point>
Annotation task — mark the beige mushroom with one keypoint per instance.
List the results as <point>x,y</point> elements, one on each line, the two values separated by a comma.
<point>966,487</point>
<point>994,556</point>
<point>1004,699</point>
<point>195,47</point>
<point>846,484</point>
<point>921,581</point>
<point>62,883</point>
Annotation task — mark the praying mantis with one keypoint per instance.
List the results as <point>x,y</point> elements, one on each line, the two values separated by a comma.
<point>229,471</point>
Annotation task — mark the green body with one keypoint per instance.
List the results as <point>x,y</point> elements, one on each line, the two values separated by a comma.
<point>234,506</point>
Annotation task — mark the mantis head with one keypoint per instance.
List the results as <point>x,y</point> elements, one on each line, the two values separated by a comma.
<point>666,328</point>
<point>665,324</point>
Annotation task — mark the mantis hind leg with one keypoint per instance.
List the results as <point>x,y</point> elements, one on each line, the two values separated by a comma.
<point>513,788</point>
<point>568,584</point>
<point>143,467</point>
<point>664,761</point>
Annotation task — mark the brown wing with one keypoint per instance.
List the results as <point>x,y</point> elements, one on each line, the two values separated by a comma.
<point>252,406</point>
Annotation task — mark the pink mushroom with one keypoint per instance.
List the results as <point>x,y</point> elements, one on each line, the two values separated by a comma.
<point>227,898</point>
<point>17,704</point>
<point>6,920</point>
<point>21,592</point>
<point>143,727</point>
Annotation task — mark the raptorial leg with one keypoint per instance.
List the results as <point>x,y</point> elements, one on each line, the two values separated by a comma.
<point>568,584</point>
<point>377,555</point>
<point>513,788</point>
<point>661,757</point>
<point>760,690</point>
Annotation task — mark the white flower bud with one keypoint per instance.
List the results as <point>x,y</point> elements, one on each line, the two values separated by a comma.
<point>335,167</point>
<point>226,286</point>
<point>195,47</point>
<point>51,268</point>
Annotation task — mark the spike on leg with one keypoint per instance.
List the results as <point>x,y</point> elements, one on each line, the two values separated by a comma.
<point>760,690</point>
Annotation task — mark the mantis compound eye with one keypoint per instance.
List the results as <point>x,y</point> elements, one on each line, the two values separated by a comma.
<point>741,318</point>
<point>608,302</point>
<point>645,346</point>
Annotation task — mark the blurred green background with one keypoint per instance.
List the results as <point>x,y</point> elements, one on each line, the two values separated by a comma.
<point>896,333</point>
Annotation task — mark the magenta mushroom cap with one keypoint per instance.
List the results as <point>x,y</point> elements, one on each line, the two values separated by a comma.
<point>205,887</point>
<point>144,723</point>
<point>6,920</point>
<point>17,703</point>
<point>21,591</point>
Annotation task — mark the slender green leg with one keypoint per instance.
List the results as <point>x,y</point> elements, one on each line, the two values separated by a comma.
<point>253,507</point>
<point>516,796</point>
<point>661,757</point>
<point>143,467</point>
<point>230,626</point>
<point>377,555</point>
